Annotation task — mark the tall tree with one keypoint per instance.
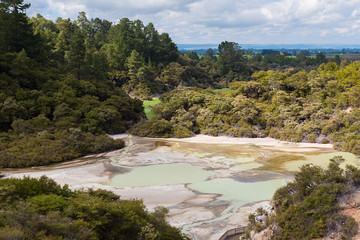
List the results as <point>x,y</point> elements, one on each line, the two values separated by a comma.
<point>66,30</point>
<point>152,40</point>
<point>16,31</point>
<point>77,54</point>
<point>231,58</point>
<point>100,29</point>
<point>168,51</point>
<point>121,43</point>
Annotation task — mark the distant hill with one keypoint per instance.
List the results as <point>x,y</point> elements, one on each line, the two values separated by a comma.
<point>188,47</point>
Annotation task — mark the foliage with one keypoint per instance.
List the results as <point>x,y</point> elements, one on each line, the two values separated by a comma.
<point>148,106</point>
<point>318,106</point>
<point>77,74</point>
<point>41,209</point>
<point>308,207</point>
<point>56,102</point>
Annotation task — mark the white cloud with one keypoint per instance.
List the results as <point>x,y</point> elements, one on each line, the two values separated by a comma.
<point>342,30</point>
<point>212,21</point>
<point>324,33</point>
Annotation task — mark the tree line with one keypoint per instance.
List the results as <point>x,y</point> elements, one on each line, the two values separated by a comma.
<point>64,84</point>
<point>317,106</point>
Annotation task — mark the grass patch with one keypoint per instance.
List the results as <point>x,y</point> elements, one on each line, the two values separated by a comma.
<point>222,90</point>
<point>147,107</point>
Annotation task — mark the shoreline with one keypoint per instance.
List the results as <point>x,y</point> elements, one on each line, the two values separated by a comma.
<point>202,138</point>
<point>270,142</point>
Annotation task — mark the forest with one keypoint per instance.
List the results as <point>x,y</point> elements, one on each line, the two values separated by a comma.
<point>56,99</point>
<point>66,84</point>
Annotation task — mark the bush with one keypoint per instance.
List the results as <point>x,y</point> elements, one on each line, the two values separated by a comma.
<point>49,148</point>
<point>40,209</point>
<point>308,208</point>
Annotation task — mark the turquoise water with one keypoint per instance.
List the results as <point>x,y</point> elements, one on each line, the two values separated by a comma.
<point>160,175</point>
<point>323,160</point>
<point>196,178</point>
<point>246,192</point>
<point>242,162</point>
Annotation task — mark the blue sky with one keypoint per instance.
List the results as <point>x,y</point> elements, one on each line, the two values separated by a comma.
<point>213,21</point>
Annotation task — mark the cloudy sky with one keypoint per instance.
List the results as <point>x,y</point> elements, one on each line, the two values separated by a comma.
<point>213,21</point>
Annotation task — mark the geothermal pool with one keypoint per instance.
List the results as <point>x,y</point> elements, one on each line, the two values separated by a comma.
<point>224,178</point>
<point>209,184</point>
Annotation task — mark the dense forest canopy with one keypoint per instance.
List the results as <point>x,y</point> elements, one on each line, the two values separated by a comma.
<point>56,99</point>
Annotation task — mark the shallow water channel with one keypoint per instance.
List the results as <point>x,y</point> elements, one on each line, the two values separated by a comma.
<point>234,176</point>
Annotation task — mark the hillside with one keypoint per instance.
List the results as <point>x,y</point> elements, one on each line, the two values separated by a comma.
<point>317,106</point>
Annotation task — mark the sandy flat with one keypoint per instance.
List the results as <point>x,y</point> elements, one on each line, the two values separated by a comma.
<point>213,230</point>
<point>266,142</point>
<point>72,176</point>
<point>201,138</point>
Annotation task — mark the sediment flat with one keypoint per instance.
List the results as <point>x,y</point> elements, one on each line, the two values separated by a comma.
<point>267,142</point>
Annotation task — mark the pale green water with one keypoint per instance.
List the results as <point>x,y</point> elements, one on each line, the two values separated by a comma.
<point>323,161</point>
<point>159,175</point>
<point>246,192</point>
<point>251,173</point>
<point>245,162</point>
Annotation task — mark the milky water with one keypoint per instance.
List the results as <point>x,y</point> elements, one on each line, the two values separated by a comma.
<point>159,175</point>
<point>237,174</point>
<point>254,170</point>
<point>323,160</point>
<point>245,192</point>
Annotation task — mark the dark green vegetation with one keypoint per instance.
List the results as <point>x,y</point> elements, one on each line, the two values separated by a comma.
<point>40,209</point>
<point>317,106</point>
<point>57,100</point>
<point>66,83</point>
<point>308,207</point>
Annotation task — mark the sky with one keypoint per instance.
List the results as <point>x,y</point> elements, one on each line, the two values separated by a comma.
<point>213,21</point>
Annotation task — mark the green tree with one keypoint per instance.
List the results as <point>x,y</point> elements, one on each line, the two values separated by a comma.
<point>193,55</point>
<point>320,58</point>
<point>121,43</point>
<point>16,31</point>
<point>231,58</point>
<point>337,60</point>
<point>77,54</point>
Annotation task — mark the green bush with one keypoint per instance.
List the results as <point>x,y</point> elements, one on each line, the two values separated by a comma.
<point>308,207</point>
<point>40,209</point>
